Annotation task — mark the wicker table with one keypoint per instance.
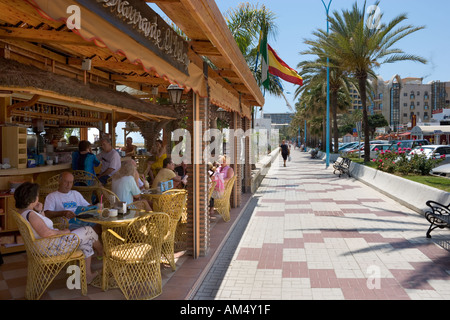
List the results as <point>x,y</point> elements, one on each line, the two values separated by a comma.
<point>105,280</point>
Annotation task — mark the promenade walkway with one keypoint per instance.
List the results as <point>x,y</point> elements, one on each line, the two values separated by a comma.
<point>308,234</point>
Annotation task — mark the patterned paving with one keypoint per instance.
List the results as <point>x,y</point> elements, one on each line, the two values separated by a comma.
<point>313,235</point>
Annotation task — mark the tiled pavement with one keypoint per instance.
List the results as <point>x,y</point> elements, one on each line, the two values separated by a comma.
<point>309,234</point>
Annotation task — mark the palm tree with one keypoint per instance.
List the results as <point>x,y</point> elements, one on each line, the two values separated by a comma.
<point>246,22</point>
<point>358,47</point>
<point>315,72</point>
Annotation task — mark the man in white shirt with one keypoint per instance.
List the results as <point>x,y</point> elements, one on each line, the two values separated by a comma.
<point>64,202</point>
<point>110,160</point>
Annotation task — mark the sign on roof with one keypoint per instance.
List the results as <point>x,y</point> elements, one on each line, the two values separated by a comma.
<point>140,22</point>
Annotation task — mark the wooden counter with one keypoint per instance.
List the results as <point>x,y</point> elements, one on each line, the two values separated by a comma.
<point>39,169</point>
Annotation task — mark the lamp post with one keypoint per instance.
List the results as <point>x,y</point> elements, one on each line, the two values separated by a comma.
<point>327,9</point>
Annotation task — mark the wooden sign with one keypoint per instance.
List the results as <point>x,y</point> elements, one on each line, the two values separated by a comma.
<point>140,22</point>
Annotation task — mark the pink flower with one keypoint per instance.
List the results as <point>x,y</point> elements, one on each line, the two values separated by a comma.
<point>443,156</point>
<point>393,162</point>
<point>398,143</point>
<point>380,160</point>
<point>421,149</point>
<point>408,149</point>
<point>376,149</point>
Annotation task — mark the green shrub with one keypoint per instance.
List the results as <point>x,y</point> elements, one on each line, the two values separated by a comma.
<point>399,162</point>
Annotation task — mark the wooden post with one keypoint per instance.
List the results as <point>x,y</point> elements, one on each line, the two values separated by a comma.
<point>5,102</point>
<point>112,128</point>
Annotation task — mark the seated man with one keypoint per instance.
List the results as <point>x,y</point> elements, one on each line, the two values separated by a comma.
<point>167,173</point>
<point>64,203</point>
<point>110,160</point>
<point>129,148</point>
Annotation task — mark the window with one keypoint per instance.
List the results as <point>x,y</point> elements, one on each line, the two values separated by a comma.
<point>418,103</point>
<point>405,94</point>
<point>405,104</point>
<point>412,107</point>
<point>418,93</point>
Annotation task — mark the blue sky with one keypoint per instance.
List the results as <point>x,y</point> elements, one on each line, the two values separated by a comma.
<point>297,19</point>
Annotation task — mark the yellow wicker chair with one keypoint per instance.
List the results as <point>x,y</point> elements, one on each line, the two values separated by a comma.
<point>134,260</point>
<point>222,204</point>
<point>172,202</point>
<point>211,189</point>
<point>181,233</point>
<point>139,205</point>
<point>85,178</point>
<point>47,257</point>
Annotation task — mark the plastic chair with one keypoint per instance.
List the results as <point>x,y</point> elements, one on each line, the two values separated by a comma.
<point>134,260</point>
<point>172,202</point>
<point>47,257</point>
<point>222,204</point>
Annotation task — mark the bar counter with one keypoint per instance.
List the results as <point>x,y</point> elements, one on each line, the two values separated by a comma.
<point>38,169</point>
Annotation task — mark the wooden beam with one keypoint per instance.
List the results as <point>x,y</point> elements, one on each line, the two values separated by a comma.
<point>204,48</point>
<point>43,36</point>
<point>139,79</point>
<point>24,104</point>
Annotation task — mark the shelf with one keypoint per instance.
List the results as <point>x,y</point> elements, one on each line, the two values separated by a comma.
<point>12,248</point>
<point>40,169</point>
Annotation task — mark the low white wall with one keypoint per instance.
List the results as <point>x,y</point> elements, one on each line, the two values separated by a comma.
<point>409,193</point>
<point>262,167</point>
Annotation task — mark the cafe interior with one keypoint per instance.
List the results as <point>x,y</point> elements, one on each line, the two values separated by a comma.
<point>89,65</point>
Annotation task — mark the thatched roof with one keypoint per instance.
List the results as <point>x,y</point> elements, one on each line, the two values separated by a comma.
<point>14,74</point>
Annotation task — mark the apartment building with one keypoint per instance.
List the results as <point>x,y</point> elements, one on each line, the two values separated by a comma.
<point>404,102</point>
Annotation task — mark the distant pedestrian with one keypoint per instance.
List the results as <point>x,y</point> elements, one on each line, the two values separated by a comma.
<point>284,149</point>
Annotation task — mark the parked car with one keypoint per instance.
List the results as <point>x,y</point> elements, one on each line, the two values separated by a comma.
<point>408,144</point>
<point>432,151</point>
<point>375,149</point>
<point>347,145</point>
<point>352,148</point>
<point>380,142</point>
<point>442,170</point>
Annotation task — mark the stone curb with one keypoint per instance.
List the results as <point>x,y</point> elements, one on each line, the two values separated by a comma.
<point>411,194</point>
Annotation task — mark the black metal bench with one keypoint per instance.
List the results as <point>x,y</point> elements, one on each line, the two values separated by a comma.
<point>342,165</point>
<point>439,216</point>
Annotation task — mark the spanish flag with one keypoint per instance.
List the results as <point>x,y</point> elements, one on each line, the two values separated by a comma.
<point>280,69</point>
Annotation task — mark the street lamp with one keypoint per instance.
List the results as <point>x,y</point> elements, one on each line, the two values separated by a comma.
<point>175,93</point>
<point>327,9</point>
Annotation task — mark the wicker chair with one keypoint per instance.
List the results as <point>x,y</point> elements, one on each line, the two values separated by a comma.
<point>47,257</point>
<point>139,205</point>
<point>84,178</point>
<point>222,204</point>
<point>173,203</point>
<point>211,189</point>
<point>134,260</point>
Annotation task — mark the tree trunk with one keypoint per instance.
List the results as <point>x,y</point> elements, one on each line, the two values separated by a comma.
<point>362,79</point>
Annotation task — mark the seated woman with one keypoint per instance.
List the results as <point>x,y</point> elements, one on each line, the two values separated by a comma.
<point>28,205</point>
<point>222,174</point>
<point>124,184</point>
<point>153,167</point>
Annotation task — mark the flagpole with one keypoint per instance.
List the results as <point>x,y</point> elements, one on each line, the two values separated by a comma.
<point>327,9</point>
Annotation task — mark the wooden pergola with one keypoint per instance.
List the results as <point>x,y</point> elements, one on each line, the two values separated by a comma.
<point>106,53</point>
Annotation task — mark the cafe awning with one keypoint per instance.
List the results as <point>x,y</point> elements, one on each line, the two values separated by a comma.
<point>430,130</point>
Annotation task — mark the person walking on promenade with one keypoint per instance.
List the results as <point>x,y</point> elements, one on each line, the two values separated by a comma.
<point>284,149</point>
